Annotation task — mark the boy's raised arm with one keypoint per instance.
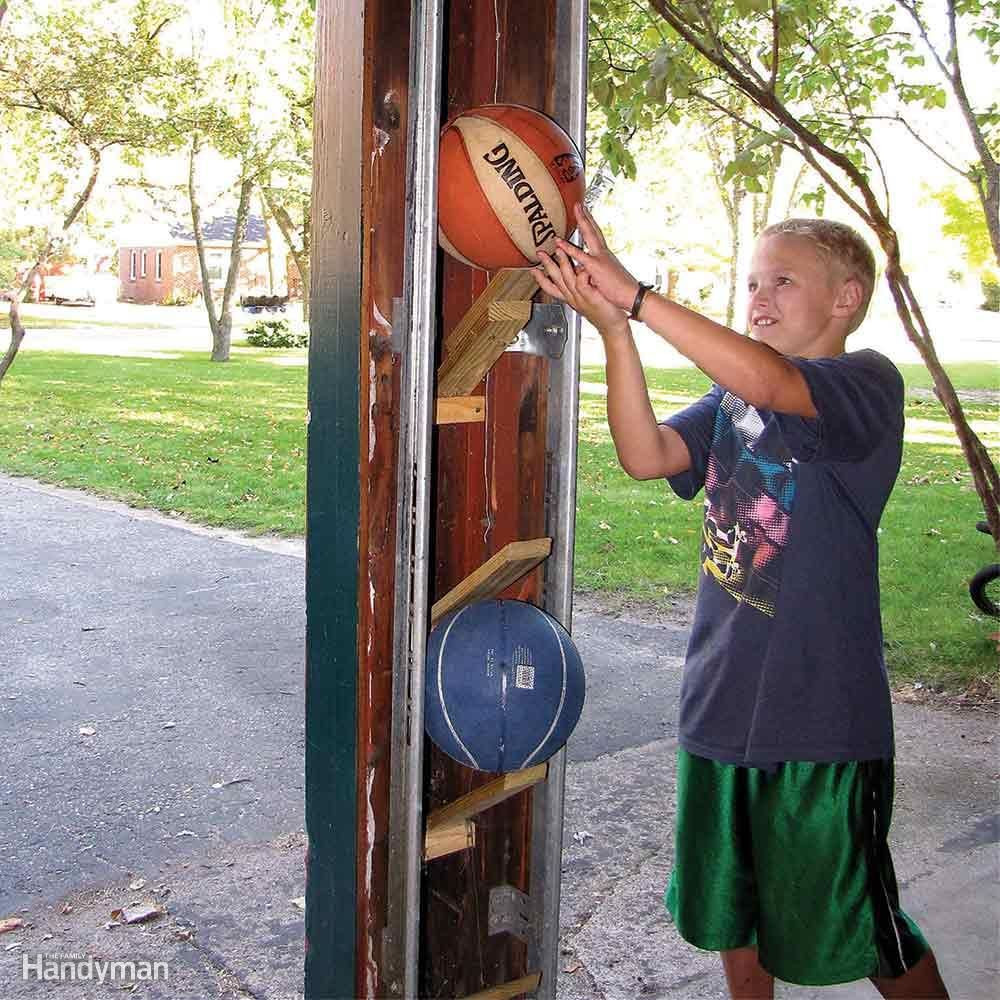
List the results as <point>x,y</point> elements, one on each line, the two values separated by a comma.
<point>646,449</point>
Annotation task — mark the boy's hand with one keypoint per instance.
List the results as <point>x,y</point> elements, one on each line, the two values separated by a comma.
<point>604,269</point>
<point>556,276</point>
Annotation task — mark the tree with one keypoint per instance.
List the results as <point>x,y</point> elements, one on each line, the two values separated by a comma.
<point>220,320</point>
<point>75,83</point>
<point>248,105</point>
<point>814,72</point>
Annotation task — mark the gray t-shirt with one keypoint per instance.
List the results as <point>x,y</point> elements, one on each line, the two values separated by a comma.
<point>785,656</point>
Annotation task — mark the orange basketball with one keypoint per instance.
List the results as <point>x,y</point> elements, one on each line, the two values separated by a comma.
<point>508,180</point>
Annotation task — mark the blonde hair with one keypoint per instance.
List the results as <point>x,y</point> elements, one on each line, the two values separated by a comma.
<point>842,248</point>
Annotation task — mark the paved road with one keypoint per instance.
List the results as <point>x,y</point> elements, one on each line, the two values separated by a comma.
<point>181,649</point>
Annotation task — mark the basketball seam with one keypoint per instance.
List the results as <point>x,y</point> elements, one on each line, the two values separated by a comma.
<point>562,693</point>
<point>441,698</point>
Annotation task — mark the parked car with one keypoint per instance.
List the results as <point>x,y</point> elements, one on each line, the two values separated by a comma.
<point>73,285</point>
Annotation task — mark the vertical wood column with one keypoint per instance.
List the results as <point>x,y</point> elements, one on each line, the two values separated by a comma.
<point>359,197</point>
<point>333,511</point>
<point>386,74</point>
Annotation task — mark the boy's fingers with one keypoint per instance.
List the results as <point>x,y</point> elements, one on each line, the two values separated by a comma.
<point>554,275</point>
<point>566,270</point>
<point>573,252</point>
<point>544,282</point>
<point>589,229</point>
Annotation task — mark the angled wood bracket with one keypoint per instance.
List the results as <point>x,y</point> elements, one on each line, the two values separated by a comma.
<point>491,324</point>
<point>450,828</point>
<point>498,572</point>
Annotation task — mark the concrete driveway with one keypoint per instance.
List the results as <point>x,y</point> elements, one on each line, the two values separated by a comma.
<point>151,733</point>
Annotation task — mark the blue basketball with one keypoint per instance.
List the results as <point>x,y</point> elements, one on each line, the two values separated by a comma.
<point>504,685</point>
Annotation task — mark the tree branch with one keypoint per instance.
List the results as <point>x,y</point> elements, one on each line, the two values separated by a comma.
<point>872,212</point>
<point>775,39</point>
<point>85,194</point>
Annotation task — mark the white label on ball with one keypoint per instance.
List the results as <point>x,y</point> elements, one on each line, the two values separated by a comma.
<point>524,675</point>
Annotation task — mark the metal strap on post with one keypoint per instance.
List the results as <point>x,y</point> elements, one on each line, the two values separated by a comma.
<point>419,314</point>
<point>564,405</point>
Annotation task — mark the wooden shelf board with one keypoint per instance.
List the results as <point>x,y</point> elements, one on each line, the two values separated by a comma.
<point>460,410</point>
<point>449,838</point>
<point>516,987</point>
<point>486,796</point>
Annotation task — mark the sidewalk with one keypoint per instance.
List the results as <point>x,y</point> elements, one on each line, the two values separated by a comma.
<point>181,649</point>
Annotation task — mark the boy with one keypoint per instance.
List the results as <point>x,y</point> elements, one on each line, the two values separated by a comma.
<point>784,782</point>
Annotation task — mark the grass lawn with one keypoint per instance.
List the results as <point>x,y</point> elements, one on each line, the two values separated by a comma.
<point>220,444</point>
<point>225,445</point>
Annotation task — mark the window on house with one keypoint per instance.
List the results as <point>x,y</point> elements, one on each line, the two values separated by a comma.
<point>159,265</point>
<point>215,263</point>
<point>131,265</point>
<point>142,272</point>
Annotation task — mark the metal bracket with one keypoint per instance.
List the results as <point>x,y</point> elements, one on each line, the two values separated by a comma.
<point>545,333</point>
<point>510,912</point>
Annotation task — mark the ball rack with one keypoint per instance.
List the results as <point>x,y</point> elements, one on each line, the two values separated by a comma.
<point>442,467</point>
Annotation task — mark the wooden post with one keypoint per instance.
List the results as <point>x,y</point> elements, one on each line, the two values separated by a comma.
<point>359,201</point>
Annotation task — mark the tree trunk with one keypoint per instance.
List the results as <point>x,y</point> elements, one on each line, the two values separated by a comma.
<point>989,198</point>
<point>298,250</point>
<point>266,216</point>
<point>793,195</point>
<point>984,473</point>
<point>199,242</point>
<point>16,336</point>
<point>733,210</point>
<point>762,204</point>
<point>222,340</point>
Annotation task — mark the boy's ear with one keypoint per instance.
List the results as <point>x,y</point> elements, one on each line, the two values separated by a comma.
<point>849,298</point>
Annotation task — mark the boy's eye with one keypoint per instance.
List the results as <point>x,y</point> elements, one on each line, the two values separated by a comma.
<point>752,286</point>
<point>784,281</point>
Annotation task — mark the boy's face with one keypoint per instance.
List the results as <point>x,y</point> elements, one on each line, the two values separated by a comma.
<point>796,302</point>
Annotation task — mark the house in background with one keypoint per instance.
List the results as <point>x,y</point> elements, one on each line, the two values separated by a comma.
<point>159,264</point>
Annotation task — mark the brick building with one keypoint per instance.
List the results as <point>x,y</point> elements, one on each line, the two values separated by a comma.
<point>165,268</point>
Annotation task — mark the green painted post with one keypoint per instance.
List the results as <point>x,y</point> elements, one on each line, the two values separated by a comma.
<point>333,507</point>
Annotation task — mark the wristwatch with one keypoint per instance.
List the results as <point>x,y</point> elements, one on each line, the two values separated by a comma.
<point>640,295</point>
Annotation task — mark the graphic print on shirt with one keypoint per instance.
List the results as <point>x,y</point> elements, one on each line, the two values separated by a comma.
<point>748,503</point>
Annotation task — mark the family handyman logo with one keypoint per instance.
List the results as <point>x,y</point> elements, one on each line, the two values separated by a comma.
<point>86,968</point>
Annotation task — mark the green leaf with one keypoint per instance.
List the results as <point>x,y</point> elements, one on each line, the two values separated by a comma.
<point>603,91</point>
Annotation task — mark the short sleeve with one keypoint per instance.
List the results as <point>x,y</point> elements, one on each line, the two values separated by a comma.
<point>858,399</point>
<point>696,425</point>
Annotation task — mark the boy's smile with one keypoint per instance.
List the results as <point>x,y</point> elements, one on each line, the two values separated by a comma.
<point>796,300</point>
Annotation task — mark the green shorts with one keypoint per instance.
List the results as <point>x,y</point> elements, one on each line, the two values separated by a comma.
<point>793,861</point>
